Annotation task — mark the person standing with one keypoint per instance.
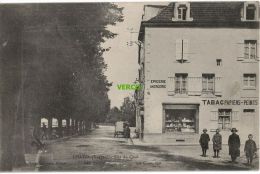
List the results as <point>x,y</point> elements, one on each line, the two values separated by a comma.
<point>250,149</point>
<point>204,142</point>
<point>234,145</point>
<point>217,143</point>
<point>44,131</point>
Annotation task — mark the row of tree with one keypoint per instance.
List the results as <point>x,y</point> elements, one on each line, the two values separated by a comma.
<point>52,67</point>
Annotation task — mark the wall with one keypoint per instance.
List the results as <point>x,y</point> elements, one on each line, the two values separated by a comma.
<point>205,45</point>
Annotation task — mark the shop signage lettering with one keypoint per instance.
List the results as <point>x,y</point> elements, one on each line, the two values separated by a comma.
<point>158,84</point>
<point>230,102</point>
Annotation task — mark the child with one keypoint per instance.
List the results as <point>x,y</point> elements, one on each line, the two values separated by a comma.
<point>204,142</point>
<point>217,143</point>
<point>250,149</point>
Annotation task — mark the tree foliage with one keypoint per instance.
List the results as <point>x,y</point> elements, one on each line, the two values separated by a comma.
<point>125,113</point>
<point>52,65</point>
<point>67,74</point>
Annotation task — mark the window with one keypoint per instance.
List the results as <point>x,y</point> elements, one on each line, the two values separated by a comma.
<point>180,120</point>
<point>250,49</point>
<point>249,110</point>
<point>181,50</point>
<point>251,12</point>
<point>219,62</point>
<point>249,80</point>
<point>181,83</point>
<point>208,83</point>
<point>182,10</point>
<point>224,118</point>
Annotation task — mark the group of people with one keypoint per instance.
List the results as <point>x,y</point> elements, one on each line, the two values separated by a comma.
<point>233,143</point>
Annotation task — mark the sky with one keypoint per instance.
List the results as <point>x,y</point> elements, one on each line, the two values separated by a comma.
<point>122,60</point>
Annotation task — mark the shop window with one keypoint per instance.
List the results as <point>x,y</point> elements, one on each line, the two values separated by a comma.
<point>208,83</point>
<point>250,49</point>
<point>181,83</point>
<point>180,120</point>
<point>249,81</point>
<point>224,118</point>
<point>251,12</point>
<point>219,62</point>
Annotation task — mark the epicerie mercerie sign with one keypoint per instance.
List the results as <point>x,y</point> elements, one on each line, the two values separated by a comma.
<point>158,84</point>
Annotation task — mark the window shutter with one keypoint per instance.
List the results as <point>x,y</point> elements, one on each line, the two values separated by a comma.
<point>240,51</point>
<point>171,86</point>
<point>214,115</point>
<point>178,49</point>
<point>185,49</point>
<point>235,116</point>
<point>218,86</point>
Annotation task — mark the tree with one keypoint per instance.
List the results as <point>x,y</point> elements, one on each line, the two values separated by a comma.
<point>114,115</point>
<point>128,111</point>
<point>58,48</point>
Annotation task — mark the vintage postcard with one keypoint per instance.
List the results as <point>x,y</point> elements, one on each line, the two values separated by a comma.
<point>129,86</point>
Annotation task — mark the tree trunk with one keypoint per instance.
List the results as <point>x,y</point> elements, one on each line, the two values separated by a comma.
<point>77,126</point>
<point>60,127</point>
<point>10,82</point>
<point>50,128</point>
<point>68,126</point>
<point>19,148</point>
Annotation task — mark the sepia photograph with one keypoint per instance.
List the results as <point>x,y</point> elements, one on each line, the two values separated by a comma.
<point>129,86</point>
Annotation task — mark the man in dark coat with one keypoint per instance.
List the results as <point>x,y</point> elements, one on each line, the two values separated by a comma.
<point>250,149</point>
<point>234,145</point>
<point>204,142</point>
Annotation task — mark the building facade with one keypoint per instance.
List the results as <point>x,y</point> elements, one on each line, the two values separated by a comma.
<point>199,64</point>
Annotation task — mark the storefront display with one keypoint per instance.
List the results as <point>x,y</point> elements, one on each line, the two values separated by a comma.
<point>180,120</point>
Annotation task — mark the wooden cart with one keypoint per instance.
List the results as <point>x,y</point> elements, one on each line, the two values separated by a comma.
<point>119,128</point>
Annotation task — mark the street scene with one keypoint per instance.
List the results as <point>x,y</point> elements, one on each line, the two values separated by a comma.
<point>129,86</point>
<point>100,151</point>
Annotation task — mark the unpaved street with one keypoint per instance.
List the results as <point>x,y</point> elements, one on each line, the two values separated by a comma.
<point>100,151</point>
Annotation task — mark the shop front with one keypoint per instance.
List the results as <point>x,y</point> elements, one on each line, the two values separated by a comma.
<point>180,118</point>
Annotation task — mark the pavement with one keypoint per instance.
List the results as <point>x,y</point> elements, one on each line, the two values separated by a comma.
<point>100,151</point>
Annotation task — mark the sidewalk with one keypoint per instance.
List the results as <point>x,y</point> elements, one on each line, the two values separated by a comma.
<point>193,151</point>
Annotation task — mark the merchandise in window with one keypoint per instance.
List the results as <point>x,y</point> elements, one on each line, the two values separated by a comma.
<point>180,120</point>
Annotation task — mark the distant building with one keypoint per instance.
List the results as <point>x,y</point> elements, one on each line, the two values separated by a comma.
<point>199,64</point>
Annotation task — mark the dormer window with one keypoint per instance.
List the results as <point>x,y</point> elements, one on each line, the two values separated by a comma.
<point>250,12</point>
<point>182,10</point>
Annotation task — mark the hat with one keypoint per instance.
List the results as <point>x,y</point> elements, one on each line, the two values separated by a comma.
<point>234,130</point>
<point>204,130</point>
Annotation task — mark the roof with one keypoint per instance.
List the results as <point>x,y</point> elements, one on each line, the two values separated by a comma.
<point>204,14</point>
<point>205,11</point>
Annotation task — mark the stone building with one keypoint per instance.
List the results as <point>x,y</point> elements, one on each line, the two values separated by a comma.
<point>199,64</point>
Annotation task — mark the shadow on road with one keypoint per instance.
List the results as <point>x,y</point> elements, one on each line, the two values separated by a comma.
<point>192,163</point>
